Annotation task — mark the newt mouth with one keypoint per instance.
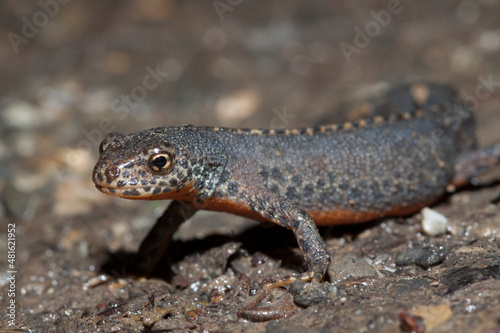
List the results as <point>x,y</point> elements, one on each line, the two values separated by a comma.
<point>106,189</point>
<point>123,192</point>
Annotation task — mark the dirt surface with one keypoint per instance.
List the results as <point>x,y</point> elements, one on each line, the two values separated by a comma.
<point>73,71</point>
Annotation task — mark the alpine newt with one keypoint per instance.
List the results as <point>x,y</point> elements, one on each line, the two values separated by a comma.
<point>420,143</point>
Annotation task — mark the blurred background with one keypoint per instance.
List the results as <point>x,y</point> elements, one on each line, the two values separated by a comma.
<point>73,71</point>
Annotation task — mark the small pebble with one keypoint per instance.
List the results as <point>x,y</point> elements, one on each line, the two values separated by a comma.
<point>306,294</point>
<point>424,258</point>
<point>433,222</point>
<point>433,315</point>
<point>352,268</point>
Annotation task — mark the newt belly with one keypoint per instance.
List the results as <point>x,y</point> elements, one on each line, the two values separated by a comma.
<point>420,141</point>
<point>321,218</point>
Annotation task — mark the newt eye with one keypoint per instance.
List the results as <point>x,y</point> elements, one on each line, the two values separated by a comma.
<point>161,162</point>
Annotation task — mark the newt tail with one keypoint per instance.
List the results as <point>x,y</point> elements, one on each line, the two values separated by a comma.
<point>420,141</point>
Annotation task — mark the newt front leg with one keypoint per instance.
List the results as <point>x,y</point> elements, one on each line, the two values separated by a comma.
<point>155,244</point>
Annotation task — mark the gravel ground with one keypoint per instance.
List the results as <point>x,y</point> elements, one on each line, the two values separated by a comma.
<point>75,71</point>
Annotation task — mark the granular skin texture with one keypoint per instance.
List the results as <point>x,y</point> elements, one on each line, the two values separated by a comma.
<point>420,142</point>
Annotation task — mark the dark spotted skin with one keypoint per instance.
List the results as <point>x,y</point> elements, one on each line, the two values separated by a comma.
<point>393,164</point>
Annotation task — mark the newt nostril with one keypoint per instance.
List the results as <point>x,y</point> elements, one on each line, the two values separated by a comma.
<point>98,177</point>
<point>111,174</point>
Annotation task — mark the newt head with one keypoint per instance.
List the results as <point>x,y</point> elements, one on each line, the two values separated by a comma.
<point>154,164</point>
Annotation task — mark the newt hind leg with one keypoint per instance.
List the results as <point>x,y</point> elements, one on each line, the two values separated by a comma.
<point>471,164</point>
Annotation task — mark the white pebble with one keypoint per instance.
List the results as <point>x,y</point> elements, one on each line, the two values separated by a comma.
<point>433,222</point>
